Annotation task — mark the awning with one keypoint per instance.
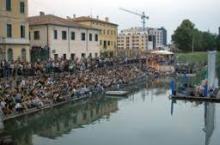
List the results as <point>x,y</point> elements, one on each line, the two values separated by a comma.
<point>162,52</point>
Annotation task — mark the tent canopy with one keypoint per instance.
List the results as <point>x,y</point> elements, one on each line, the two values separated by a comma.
<point>162,52</point>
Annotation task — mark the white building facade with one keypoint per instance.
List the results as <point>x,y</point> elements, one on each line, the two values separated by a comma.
<point>158,37</point>
<point>64,38</point>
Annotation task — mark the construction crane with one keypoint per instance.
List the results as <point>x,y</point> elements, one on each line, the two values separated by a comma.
<point>143,16</point>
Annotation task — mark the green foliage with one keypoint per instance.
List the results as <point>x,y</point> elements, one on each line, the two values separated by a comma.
<point>208,41</point>
<point>218,43</point>
<point>188,38</point>
<point>197,40</point>
<point>196,57</point>
<point>182,37</point>
<point>199,58</point>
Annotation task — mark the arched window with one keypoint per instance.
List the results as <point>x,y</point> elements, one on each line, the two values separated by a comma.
<point>10,54</point>
<point>23,54</point>
<point>1,54</point>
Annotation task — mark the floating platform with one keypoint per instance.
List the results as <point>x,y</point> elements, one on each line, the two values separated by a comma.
<point>191,98</point>
<point>187,75</point>
<point>117,93</point>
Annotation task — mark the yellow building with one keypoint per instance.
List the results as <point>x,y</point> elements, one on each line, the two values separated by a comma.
<point>132,43</point>
<point>108,34</point>
<point>14,30</point>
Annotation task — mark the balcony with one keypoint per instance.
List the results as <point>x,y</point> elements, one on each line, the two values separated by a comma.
<point>13,41</point>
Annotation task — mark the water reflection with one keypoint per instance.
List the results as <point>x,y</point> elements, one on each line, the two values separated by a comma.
<point>209,121</point>
<point>59,121</point>
<point>142,118</point>
<point>172,106</point>
<point>209,118</point>
<point>156,87</point>
<point>218,72</point>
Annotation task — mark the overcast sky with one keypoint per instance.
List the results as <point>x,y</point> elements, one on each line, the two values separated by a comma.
<point>205,14</point>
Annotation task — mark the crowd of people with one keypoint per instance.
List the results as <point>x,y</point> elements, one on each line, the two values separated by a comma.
<point>21,68</point>
<point>25,86</point>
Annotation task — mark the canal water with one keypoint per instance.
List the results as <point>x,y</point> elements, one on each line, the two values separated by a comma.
<point>146,117</point>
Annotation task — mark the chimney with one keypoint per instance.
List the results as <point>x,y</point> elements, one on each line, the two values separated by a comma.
<point>74,16</point>
<point>97,17</point>
<point>68,18</point>
<point>106,19</point>
<point>42,13</point>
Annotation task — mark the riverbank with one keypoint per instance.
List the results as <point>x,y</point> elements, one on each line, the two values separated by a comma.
<point>198,58</point>
<point>73,98</point>
<point>40,91</point>
<point>84,121</point>
<point>195,57</point>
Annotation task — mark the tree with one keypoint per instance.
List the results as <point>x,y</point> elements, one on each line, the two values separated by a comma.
<point>183,35</point>
<point>218,42</point>
<point>187,38</point>
<point>197,40</point>
<point>208,41</point>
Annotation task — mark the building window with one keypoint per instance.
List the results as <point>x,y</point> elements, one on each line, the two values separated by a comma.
<point>105,45</point>
<point>96,37</point>
<point>83,36</point>
<point>10,55</point>
<point>72,35</point>
<point>111,54</point>
<point>90,37</point>
<point>22,7</point>
<point>72,56</point>
<point>22,31</point>
<point>9,30</point>
<point>23,54</point>
<point>109,43</point>
<point>83,55</point>
<point>56,56</point>
<point>90,55</point>
<point>64,56</point>
<point>8,5</point>
<point>55,34</point>
<point>64,35</point>
<point>36,35</point>
<point>96,55</point>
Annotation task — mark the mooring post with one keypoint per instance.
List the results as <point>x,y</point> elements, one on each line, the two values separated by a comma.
<point>211,70</point>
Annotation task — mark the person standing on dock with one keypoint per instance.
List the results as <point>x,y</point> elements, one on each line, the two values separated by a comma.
<point>205,94</point>
<point>173,87</point>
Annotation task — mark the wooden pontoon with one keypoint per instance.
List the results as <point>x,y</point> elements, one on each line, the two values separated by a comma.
<point>117,93</point>
<point>193,98</point>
